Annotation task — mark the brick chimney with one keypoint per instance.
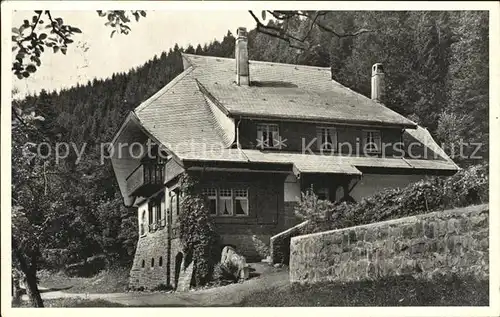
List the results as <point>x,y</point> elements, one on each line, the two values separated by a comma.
<point>241,57</point>
<point>378,85</point>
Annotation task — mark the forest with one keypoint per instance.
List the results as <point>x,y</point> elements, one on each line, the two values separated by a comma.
<point>436,65</point>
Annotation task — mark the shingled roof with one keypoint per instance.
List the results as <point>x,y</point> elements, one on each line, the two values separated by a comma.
<point>182,115</point>
<point>288,91</point>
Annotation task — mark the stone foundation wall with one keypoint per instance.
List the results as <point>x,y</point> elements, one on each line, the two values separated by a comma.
<point>452,241</point>
<point>151,246</point>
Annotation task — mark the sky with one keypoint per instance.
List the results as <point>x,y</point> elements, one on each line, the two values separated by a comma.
<point>95,55</point>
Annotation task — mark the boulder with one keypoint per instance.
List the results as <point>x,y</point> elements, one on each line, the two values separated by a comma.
<point>235,263</point>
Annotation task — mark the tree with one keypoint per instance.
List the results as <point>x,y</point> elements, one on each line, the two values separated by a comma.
<point>298,40</point>
<point>30,39</point>
<point>468,76</point>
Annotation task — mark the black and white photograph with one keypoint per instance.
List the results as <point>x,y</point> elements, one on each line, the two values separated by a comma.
<point>252,154</point>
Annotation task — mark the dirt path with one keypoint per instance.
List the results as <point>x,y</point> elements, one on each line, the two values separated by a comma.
<point>220,296</point>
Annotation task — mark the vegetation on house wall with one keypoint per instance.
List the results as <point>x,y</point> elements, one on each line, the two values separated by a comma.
<point>199,237</point>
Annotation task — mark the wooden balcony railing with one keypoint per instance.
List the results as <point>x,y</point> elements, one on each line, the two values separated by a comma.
<point>145,179</point>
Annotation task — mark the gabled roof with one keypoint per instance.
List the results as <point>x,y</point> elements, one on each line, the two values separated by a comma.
<point>188,115</point>
<point>289,91</point>
<point>180,118</point>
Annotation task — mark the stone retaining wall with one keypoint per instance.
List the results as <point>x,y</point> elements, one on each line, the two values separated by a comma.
<point>452,241</point>
<point>280,243</point>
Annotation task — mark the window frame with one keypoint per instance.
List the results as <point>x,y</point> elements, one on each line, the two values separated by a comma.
<point>229,198</point>
<point>233,198</point>
<point>155,209</point>
<point>142,225</point>
<point>332,132</point>
<point>260,134</point>
<point>210,197</point>
<point>366,133</point>
<point>245,198</point>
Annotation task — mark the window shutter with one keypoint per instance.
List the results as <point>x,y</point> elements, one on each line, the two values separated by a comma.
<point>364,139</point>
<point>275,141</point>
<point>260,136</point>
<point>319,135</point>
<point>333,135</point>
<point>376,138</point>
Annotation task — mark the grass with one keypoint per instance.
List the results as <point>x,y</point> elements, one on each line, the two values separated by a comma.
<point>111,281</point>
<point>396,291</point>
<point>74,302</point>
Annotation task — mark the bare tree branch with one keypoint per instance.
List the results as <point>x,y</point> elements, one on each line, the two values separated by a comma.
<point>281,31</point>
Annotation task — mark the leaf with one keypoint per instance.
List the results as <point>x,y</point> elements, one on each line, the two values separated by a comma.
<point>26,74</point>
<point>26,23</point>
<point>16,30</point>
<point>75,30</point>
<point>112,33</point>
<point>19,76</point>
<point>34,18</point>
<point>14,47</point>
<point>31,68</point>
<point>143,13</point>
<point>56,48</point>
<point>63,50</point>
<point>42,36</point>
<point>136,16</point>
<point>40,21</point>
<point>263,14</point>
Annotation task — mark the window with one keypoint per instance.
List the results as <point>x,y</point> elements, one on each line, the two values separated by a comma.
<point>152,262</point>
<point>150,216</point>
<point>241,202</point>
<point>327,138</point>
<point>226,202</point>
<point>211,195</point>
<point>143,223</point>
<point>160,261</point>
<point>268,136</point>
<point>177,205</point>
<point>156,214</point>
<point>174,203</point>
<point>371,141</point>
<point>143,264</point>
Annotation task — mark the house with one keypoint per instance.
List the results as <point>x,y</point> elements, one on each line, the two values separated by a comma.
<point>257,134</point>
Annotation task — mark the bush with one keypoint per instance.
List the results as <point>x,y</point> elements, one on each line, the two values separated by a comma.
<point>223,275</point>
<point>466,187</point>
<point>197,232</point>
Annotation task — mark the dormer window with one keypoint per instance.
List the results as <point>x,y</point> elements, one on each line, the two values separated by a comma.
<point>371,141</point>
<point>268,136</point>
<point>327,138</point>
